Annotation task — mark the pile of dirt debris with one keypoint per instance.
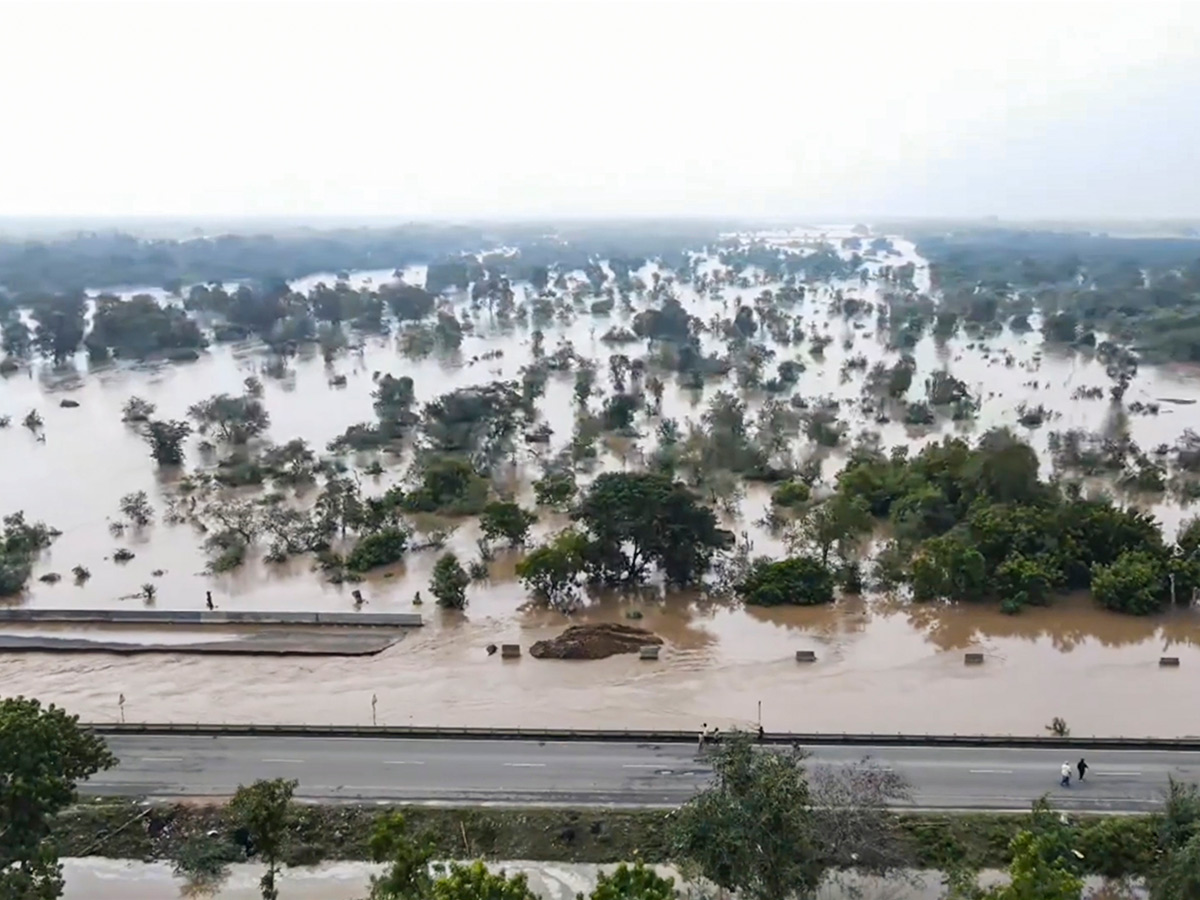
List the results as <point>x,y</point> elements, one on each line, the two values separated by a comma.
<point>594,642</point>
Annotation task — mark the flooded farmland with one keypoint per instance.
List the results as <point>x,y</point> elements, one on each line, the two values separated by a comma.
<point>883,664</point>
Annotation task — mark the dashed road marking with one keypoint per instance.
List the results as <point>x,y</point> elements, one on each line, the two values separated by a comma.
<point>526,765</point>
<point>162,759</point>
<point>991,771</point>
<point>283,760</point>
<point>402,762</point>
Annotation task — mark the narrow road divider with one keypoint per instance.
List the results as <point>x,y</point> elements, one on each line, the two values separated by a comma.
<point>1191,743</point>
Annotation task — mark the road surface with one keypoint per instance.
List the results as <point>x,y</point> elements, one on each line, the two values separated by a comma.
<point>512,772</point>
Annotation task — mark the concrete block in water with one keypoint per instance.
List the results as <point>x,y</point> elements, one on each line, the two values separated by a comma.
<point>510,651</point>
<point>650,651</point>
<point>1172,661</point>
<point>806,656</point>
<point>973,659</point>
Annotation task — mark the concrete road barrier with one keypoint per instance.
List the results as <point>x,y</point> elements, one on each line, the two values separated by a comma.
<point>1191,743</point>
<point>201,618</point>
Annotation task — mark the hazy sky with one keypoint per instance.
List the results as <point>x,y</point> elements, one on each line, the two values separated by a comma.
<point>575,108</point>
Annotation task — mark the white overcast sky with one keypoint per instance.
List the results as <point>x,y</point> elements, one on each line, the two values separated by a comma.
<point>458,109</point>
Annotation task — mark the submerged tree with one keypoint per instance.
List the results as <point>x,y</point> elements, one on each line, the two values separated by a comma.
<point>137,509</point>
<point>233,419</point>
<point>20,543</point>
<point>800,580</point>
<point>137,410</point>
<point>449,583</point>
<point>166,441</point>
<point>507,520</point>
<point>638,519</point>
<point>551,571</point>
<point>59,326</point>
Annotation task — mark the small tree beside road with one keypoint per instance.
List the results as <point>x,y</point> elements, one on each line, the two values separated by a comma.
<point>44,753</point>
<point>263,810</point>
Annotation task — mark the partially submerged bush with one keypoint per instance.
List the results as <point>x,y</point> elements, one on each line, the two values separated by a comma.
<point>799,581</point>
<point>382,548</point>
<point>791,493</point>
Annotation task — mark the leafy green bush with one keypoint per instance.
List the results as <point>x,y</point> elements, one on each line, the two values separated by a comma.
<point>382,548</point>
<point>556,489</point>
<point>800,581</point>
<point>20,543</point>
<point>504,519</point>
<point>449,583</point>
<point>791,493</point>
<point>1133,583</point>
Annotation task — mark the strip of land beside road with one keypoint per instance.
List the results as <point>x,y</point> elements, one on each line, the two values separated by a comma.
<point>640,774</point>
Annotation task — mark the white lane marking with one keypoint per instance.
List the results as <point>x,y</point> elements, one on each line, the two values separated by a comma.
<point>1115,773</point>
<point>402,762</point>
<point>641,766</point>
<point>991,771</point>
<point>526,765</point>
<point>162,759</point>
<point>283,760</point>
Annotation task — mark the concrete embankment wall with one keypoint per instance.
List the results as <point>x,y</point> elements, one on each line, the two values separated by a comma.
<point>204,617</point>
<point>651,737</point>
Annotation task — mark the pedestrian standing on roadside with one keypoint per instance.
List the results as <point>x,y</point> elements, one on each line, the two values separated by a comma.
<point>208,599</point>
<point>703,732</point>
<point>1082,766</point>
<point>1066,775</point>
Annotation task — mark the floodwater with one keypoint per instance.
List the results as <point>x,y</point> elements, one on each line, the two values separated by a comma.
<point>882,665</point>
<point>107,879</point>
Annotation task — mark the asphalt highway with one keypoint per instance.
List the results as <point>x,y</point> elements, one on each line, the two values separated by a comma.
<point>510,772</point>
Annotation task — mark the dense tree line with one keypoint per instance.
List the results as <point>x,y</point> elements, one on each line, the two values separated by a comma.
<point>71,263</point>
<point>1145,292</point>
<point>977,523</point>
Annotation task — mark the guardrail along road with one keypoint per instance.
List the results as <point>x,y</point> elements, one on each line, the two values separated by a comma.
<point>515,772</point>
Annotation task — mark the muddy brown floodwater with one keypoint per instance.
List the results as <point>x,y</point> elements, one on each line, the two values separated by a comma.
<point>881,665</point>
<point>106,879</point>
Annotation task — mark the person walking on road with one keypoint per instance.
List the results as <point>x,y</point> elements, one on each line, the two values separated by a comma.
<point>1066,775</point>
<point>1082,766</point>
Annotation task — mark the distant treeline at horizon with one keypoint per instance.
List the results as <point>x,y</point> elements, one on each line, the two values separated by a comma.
<point>64,263</point>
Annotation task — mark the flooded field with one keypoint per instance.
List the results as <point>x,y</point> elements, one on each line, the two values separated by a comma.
<point>882,664</point>
<point>104,879</point>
